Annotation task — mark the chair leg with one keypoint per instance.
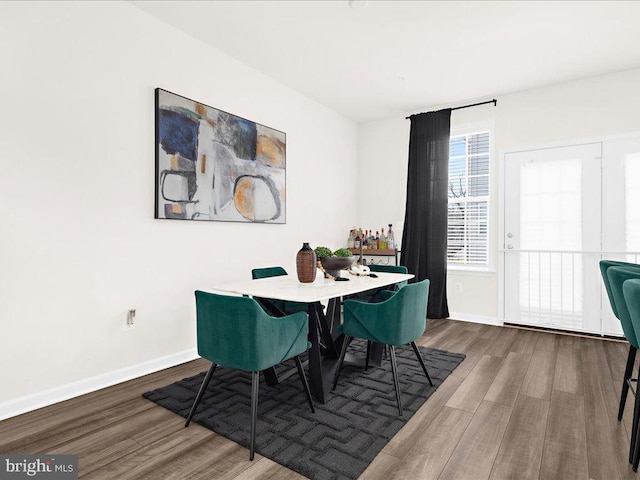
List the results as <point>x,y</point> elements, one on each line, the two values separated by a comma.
<point>255,381</point>
<point>304,382</point>
<point>631,358</point>
<point>421,360</point>
<point>394,370</point>
<point>345,344</point>
<point>634,444</point>
<point>366,362</point>
<point>203,387</point>
<point>636,451</point>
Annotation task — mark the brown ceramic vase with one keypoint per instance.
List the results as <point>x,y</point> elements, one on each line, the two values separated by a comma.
<point>306,264</point>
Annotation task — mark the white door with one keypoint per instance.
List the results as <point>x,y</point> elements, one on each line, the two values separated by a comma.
<point>552,238</point>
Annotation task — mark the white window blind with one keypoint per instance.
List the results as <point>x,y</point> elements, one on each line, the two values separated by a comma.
<point>467,234</point>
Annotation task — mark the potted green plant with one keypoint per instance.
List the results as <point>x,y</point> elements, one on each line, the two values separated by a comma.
<point>333,262</point>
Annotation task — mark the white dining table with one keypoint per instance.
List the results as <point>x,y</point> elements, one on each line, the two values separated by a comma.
<point>323,353</point>
<point>287,287</point>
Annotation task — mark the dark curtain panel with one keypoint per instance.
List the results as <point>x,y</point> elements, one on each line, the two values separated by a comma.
<point>424,240</point>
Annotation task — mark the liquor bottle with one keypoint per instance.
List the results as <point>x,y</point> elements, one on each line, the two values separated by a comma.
<point>382,244</point>
<point>377,240</point>
<point>391,241</point>
<point>357,242</point>
<point>351,241</point>
<point>365,240</point>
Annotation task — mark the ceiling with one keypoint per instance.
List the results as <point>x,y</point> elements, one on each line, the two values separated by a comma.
<point>389,58</point>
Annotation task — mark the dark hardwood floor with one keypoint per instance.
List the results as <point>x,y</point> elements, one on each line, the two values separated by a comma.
<point>523,405</point>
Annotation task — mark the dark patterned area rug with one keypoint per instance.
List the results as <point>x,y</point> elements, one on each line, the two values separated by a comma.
<point>341,438</point>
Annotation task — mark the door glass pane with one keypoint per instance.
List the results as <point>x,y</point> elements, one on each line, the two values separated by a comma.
<point>551,205</point>
<point>632,201</point>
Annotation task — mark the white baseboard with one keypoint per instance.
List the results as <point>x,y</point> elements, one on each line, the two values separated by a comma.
<point>468,317</point>
<point>18,406</point>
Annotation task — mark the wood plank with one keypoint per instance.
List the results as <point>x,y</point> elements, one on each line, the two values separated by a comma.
<point>595,369</point>
<point>525,341</point>
<point>547,342</point>
<point>568,371</point>
<point>459,342</point>
<point>429,453</point>
<point>434,326</point>
<point>163,423</point>
<point>225,463</point>
<point>627,416</point>
<point>479,344</point>
<point>520,452</point>
<point>501,342</point>
<point>408,434</point>
<point>82,423</point>
<point>266,469</point>
<point>538,381</point>
<point>383,467</point>
<point>215,457</point>
<point>472,390</point>
<point>607,440</point>
<point>617,353</point>
<point>114,441</point>
<point>439,336</point>
<point>474,456</point>
<point>476,327</point>
<point>565,444</point>
<point>506,385</point>
<point>153,458</point>
<point>464,369</point>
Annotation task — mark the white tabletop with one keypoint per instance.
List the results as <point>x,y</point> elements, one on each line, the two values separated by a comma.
<point>287,287</point>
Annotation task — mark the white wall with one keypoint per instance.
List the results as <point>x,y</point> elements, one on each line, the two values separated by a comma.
<point>79,245</point>
<point>591,107</point>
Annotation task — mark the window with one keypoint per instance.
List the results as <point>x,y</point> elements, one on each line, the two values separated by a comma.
<point>467,235</point>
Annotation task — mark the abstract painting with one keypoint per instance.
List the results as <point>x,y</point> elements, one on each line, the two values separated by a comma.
<point>212,165</point>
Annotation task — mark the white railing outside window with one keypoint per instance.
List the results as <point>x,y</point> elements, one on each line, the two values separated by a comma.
<point>548,288</point>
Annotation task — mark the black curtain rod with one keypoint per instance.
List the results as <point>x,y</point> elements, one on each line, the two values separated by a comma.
<point>494,101</point>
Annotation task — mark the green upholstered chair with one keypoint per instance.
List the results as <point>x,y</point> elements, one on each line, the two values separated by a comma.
<point>391,269</point>
<point>400,318</point>
<point>631,292</point>
<point>281,306</point>
<point>616,276</point>
<point>235,332</point>
<point>268,272</point>
<point>374,295</point>
<point>627,327</point>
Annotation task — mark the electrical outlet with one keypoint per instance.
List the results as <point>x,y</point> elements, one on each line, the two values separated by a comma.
<point>458,287</point>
